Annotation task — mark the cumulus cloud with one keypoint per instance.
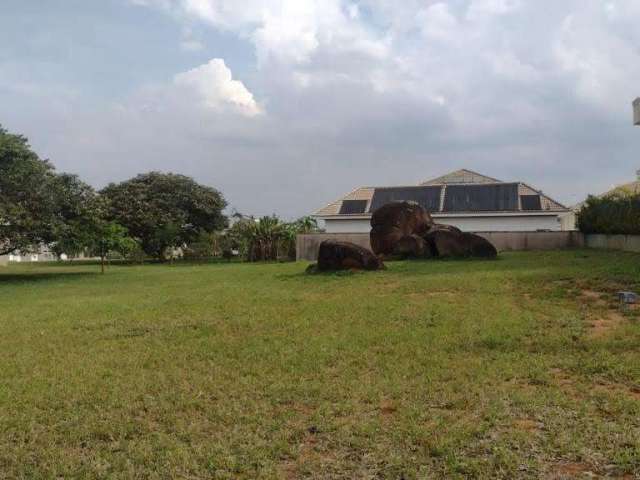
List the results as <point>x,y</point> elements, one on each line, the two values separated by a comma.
<point>599,46</point>
<point>288,31</point>
<point>213,86</point>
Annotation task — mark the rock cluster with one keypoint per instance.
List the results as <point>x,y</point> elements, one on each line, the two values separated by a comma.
<point>406,230</point>
<point>402,230</point>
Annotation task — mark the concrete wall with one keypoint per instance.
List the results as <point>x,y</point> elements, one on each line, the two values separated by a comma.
<point>628,243</point>
<point>514,223</point>
<point>307,245</point>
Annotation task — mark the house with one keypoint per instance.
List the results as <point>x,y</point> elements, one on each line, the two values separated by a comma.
<point>43,254</point>
<point>465,199</point>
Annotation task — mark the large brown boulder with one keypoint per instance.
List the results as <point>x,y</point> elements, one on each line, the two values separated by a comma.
<point>449,243</point>
<point>395,221</point>
<point>443,227</point>
<point>335,255</point>
<point>411,246</point>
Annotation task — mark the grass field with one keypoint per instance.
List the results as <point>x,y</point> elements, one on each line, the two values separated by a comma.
<point>522,367</point>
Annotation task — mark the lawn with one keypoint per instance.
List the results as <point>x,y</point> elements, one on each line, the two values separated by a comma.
<point>523,367</point>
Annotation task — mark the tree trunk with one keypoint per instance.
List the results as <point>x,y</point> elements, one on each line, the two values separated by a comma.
<point>102,264</point>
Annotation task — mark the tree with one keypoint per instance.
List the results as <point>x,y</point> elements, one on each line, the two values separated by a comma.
<point>306,225</point>
<point>110,237</point>
<point>268,238</point>
<point>38,206</point>
<point>612,214</point>
<point>79,211</point>
<point>25,203</point>
<point>165,210</point>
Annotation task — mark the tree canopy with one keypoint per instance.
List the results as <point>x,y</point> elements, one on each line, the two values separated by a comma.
<point>165,210</point>
<point>612,214</point>
<point>37,205</point>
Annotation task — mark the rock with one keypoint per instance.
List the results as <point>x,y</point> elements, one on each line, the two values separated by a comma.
<point>411,246</point>
<point>394,221</point>
<point>335,255</point>
<point>444,228</point>
<point>449,243</point>
<point>479,246</point>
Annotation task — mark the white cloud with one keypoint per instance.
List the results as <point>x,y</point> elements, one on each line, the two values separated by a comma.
<point>214,87</point>
<point>438,22</point>
<point>488,8</point>
<point>287,31</point>
<point>599,46</point>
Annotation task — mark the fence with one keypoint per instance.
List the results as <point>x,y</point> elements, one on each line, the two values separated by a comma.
<point>307,245</point>
<point>628,243</point>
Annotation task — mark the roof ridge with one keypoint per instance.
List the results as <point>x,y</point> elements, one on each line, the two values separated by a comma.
<point>459,172</point>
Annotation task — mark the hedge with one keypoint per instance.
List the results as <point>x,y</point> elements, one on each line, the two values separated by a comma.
<point>610,215</point>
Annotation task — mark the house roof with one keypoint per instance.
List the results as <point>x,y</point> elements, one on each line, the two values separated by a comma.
<point>461,191</point>
<point>461,176</point>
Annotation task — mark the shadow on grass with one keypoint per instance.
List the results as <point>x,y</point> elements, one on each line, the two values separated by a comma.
<point>16,278</point>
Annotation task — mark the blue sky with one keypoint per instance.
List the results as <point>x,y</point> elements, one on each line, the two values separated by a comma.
<point>285,105</point>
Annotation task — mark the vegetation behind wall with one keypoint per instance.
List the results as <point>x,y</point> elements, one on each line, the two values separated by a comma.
<point>617,214</point>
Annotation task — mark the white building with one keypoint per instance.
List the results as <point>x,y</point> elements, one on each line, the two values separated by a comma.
<point>465,199</point>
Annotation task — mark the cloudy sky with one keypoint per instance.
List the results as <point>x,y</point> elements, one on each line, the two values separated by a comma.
<point>284,105</point>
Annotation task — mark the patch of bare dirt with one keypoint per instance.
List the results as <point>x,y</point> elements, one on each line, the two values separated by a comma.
<point>616,389</point>
<point>605,324</point>
<point>572,470</point>
<point>308,452</point>
<point>561,377</point>
<point>595,297</point>
<point>564,381</point>
<point>387,408</point>
<point>528,425</point>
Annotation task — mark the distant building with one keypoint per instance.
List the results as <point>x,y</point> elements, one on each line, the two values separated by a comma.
<point>465,199</point>
<point>42,255</point>
<point>636,111</point>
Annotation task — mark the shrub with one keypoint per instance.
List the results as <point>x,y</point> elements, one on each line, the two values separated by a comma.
<point>619,214</point>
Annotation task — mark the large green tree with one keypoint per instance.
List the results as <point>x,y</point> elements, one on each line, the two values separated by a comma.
<point>165,210</point>
<point>37,205</point>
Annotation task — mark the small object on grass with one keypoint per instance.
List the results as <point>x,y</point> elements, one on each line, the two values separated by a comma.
<point>628,297</point>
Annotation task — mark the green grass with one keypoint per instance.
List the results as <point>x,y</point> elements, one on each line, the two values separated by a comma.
<point>443,369</point>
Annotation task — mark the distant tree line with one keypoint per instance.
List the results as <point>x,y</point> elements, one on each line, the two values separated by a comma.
<point>613,214</point>
<point>153,214</point>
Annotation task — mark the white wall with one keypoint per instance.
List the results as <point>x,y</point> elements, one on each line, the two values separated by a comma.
<point>347,226</point>
<point>468,224</point>
<point>502,224</point>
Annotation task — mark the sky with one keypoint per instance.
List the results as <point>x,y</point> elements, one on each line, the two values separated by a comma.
<point>286,105</point>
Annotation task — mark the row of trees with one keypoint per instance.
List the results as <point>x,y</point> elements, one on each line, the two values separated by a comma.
<point>254,239</point>
<point>153,213</point>
<point>613,214</point>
